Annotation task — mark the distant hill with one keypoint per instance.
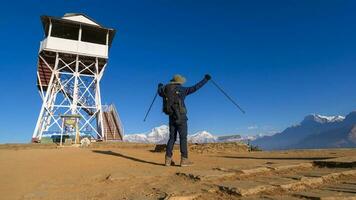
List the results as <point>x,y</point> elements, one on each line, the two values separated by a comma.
<point>228,138</point>
<point>237,138</point>
<point>315,131</point>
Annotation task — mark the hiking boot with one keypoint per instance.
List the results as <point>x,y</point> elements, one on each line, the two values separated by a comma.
<point>169,161</point>
<point>184,162</point>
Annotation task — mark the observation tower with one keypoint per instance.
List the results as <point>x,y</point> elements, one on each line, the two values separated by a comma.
<point>71,62</point>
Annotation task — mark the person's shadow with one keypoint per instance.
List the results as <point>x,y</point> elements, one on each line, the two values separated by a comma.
<point>127,157</point>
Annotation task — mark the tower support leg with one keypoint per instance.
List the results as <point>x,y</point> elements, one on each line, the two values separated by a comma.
<point>37,133</point>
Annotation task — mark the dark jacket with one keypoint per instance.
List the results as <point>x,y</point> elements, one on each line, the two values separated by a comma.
<point>183,92</point>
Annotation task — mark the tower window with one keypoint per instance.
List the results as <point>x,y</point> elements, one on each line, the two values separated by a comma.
<point>66,31</point>
<point>94,35</point>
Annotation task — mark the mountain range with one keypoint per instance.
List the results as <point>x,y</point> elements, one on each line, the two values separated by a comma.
<point>315,131</point>
<point>160,135</point>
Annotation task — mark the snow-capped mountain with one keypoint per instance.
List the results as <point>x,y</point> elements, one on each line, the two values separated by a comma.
<point>323,119</point>
<point>158,135</point>
<point>137,138</point>
<point>315,131</point>
<point>202,137</point>
<point>337,118</point>
<point>239,138</point>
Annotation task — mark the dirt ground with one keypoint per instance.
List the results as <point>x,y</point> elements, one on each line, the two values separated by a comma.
<point>135,172</point>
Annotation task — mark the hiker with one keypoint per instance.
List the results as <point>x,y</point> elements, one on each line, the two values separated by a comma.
<point>173,95</point>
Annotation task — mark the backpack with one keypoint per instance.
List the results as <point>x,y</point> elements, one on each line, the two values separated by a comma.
<point>171,99</point>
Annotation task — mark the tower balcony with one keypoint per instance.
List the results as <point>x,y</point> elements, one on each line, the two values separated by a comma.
<point>74,47</point>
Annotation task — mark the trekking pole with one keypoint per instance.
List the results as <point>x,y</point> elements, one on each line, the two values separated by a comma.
<point>222,91</point>
<point>149,109</point>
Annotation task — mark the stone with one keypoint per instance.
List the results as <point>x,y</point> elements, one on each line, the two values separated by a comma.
<point>183,197</point>
<point>85,142</point>
<point>342,187</point>
<point>318,172</point>
<point>254,170</point>
<point>303,183</point>
<point>207,174</point>
<point>293,176</point>
<point>273,197</point>
<point>288,167</point>
<point>350,182</point>
<point>68,142</point>
<point>349,173</point>
<point>342,162</point>
<point>244,188</point>
<point>275,180</point>
<point>325,195</point>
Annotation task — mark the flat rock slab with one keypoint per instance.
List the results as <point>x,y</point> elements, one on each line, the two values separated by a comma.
<point>349,172</point>
<point>342,162</point>
<point>275,180</point>
<point>293,176</point>
<point>254,171</point>
<point>341,187</point>
<point>319,172</point>
<point>325,195</point>
<point>288,183</point>
<point>206,174</point>
<point>244,188</point>
<point>350,182</point>
<point>270,197</point>
<point>320,179</point>
<point>289,167</point>
<point>182,197</point>
<point>263,169</point>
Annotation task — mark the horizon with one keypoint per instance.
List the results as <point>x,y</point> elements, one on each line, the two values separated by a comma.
<point>242,134</point>
<point>236,134</point>
<point>279,60</point>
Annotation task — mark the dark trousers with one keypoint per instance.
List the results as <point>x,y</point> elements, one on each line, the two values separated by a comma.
<point>175,128</point>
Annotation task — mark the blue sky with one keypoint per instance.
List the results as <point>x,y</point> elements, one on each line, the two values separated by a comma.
<point>281,60</point>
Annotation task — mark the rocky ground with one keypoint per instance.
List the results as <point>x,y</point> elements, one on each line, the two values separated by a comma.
<point>133,171</point>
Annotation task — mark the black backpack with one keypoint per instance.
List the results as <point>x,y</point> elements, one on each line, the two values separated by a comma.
<point>171,99</point>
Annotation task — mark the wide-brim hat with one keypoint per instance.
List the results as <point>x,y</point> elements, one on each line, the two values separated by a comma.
<point>178,79</point>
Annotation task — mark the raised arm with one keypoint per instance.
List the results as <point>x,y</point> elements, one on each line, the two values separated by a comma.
<point>194,88</point>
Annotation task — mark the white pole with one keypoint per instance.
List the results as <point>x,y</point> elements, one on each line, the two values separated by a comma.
<point>107,38</point>
<point>75,87</point>
<point>63,128</point>
<point>38,133</point>
<point>50,28</point>
<point>80,33</point>
<point>98,96</point>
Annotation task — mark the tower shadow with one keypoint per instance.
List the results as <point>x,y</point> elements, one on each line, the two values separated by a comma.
<point>127,157</point>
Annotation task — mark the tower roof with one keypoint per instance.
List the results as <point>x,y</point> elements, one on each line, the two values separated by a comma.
<point>78,19</point>
<point>81,18</point>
